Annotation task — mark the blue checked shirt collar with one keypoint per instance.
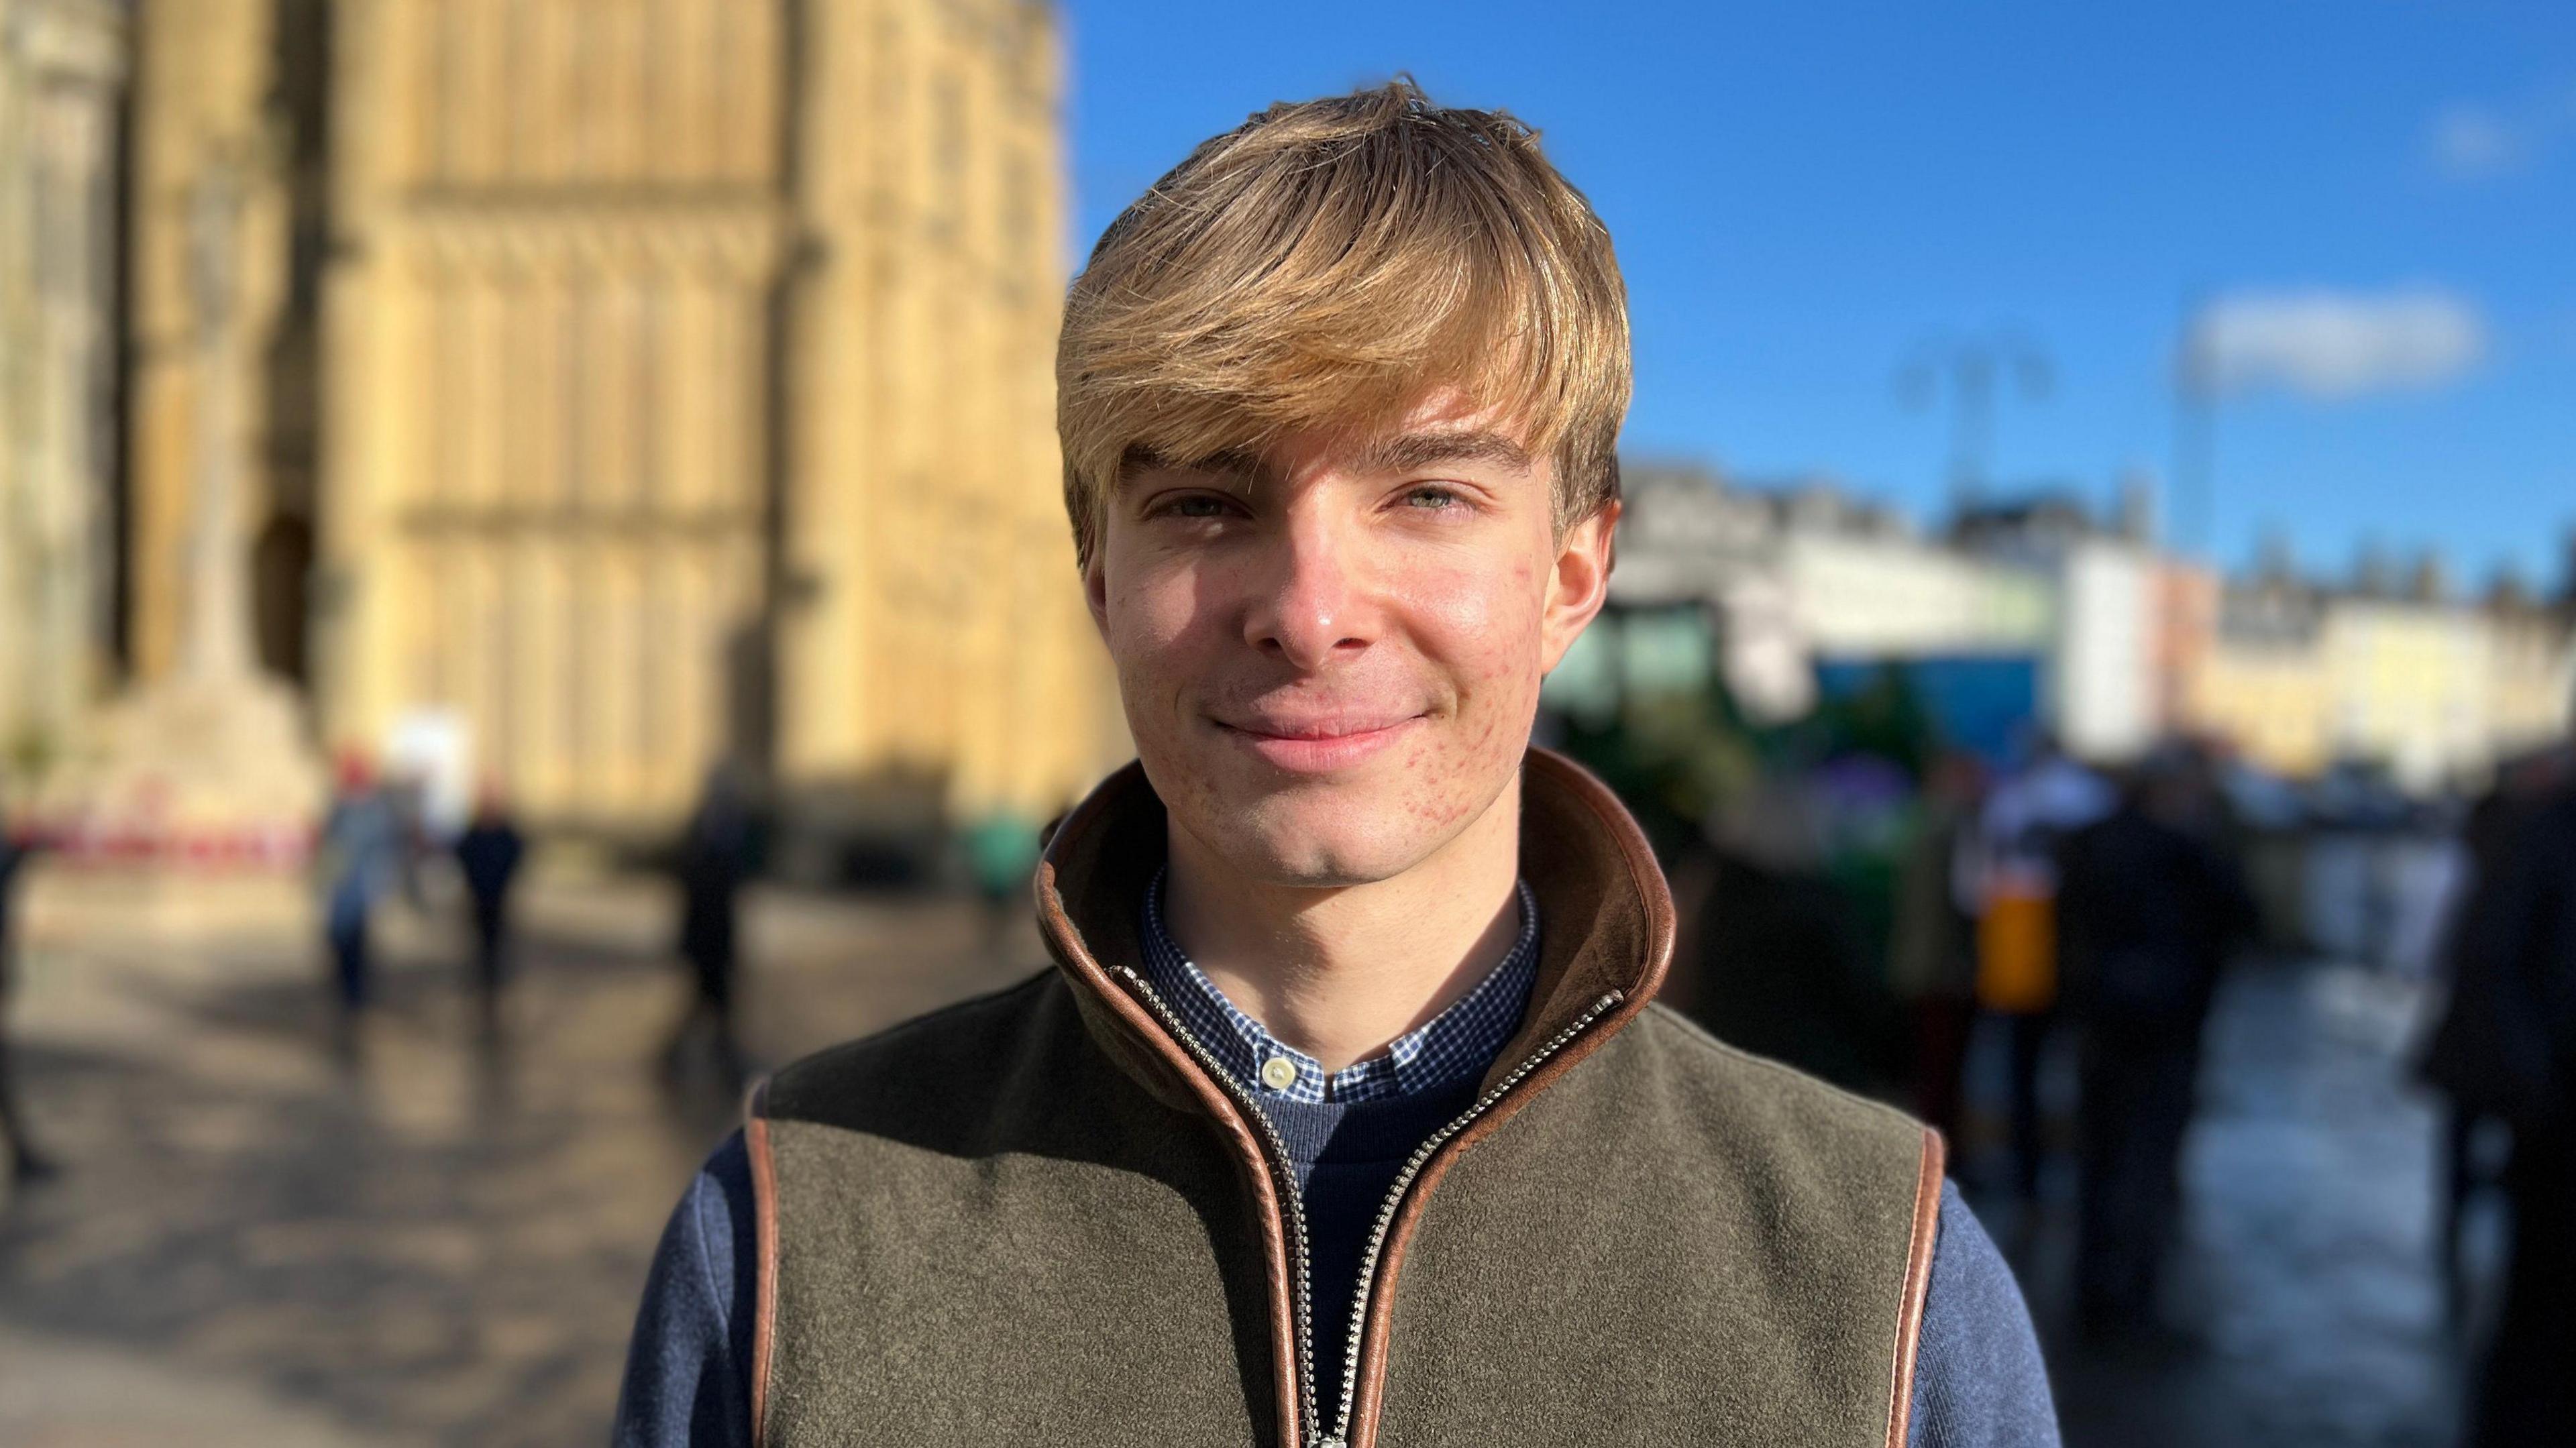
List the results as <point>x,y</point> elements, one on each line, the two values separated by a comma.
<point>1460,1041</point>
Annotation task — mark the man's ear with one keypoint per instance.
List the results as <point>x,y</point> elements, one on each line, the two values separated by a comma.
<point>1095,590</point>
<point>1578,583</point>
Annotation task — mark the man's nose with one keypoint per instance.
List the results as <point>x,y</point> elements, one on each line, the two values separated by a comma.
<point>1312,602</point>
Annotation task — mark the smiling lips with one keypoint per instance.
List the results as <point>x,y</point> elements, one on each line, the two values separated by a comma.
<point>1318,745</point>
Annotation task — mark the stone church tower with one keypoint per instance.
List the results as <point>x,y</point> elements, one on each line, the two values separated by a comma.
<point>637,384</point>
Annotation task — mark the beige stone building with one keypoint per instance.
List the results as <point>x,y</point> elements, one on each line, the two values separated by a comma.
<point>639,383</point>
<point>62,76</point>
<point>2264,689</point>
<point>2436,689</point>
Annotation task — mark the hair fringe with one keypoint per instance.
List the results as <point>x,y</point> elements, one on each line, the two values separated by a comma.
<point>1325,263</point>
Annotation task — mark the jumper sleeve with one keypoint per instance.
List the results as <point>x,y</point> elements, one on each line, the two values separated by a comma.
<point>687,1368</point>
<point>1978,1378</point>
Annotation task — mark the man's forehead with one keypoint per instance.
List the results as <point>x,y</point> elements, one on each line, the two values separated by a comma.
<point>1444,424</point>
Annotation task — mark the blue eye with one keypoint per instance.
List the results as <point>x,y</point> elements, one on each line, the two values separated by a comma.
<point>1197,507</point>
<point>1432,499</point>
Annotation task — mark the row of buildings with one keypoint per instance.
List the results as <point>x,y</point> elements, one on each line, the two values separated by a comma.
<point>2053,616</point>
<point>596,389</point>
<point>577,393</point>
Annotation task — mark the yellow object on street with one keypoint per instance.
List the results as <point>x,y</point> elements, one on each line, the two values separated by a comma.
<point>2017,952</point>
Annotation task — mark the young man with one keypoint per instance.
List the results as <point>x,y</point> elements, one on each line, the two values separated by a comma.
<point>1344,1118</point>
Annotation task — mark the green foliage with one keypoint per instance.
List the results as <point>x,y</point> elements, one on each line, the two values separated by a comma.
<point>1885,719</point>
<point>1674,757</point>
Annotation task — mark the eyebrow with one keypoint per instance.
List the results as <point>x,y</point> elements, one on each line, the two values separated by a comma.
<point>1414,450</point>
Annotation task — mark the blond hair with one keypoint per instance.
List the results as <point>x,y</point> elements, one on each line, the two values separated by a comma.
<point>1325,264</point>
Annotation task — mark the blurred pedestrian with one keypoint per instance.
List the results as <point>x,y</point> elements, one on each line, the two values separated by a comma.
<point>17,844</point>
<point>2014,881</point>
<point>714,856</point>
<point>1932,952</point>
<point>2461,1058</point>
<point>488,855</point>
<point>360,857</point>
<point>2517,1052</point>
<point>2148,909</point>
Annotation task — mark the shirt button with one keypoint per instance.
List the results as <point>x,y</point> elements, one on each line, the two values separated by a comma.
<point>1278,1073</point>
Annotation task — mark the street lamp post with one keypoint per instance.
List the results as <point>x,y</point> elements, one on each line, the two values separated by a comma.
<point>1974,367</point>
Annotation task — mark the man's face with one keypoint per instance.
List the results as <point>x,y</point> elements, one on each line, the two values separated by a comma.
<point>1330,654</point>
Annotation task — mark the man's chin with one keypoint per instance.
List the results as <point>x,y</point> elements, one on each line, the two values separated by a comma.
<point>1317,839</point>
<point>1370,820</point>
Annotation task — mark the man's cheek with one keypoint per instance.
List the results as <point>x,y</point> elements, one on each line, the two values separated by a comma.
<point>1489,625</point>
<point>1149,628</point>
<point>1169,604</point>
<point>1458,602</point>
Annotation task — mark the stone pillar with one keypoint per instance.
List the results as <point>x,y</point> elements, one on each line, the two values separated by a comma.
<point>215,649</point>
<point>62,66</point>
<point>210,762</point>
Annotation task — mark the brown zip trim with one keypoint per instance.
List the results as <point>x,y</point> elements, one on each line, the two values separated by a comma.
<point>1378,1265</point>
<point>1918,1283</point>
<point>764,1216</point>
<point>1213,1099</point>
<point>1648,877</point>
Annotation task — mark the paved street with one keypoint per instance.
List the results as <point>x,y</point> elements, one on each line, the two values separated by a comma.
<point>259,1241</point>
<point>2303,1309</point>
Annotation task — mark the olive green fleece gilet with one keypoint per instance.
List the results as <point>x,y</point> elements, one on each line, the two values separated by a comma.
<point>1027,1219</point>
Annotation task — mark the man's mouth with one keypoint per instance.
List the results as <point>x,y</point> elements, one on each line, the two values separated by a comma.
<point>1317,744</point>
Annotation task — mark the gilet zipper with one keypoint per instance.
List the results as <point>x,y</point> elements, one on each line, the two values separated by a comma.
<point>1281,1168</point>
<point>1341,1435</point>
<point>1285,1170</point>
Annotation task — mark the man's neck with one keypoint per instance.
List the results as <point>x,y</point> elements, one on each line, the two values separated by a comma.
<point>1338,972</point>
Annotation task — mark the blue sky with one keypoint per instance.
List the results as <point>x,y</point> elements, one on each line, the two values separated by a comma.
<point>1803,193</point>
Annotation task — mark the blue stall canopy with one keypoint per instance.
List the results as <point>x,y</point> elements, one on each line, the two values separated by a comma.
<point>1986,704</point>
